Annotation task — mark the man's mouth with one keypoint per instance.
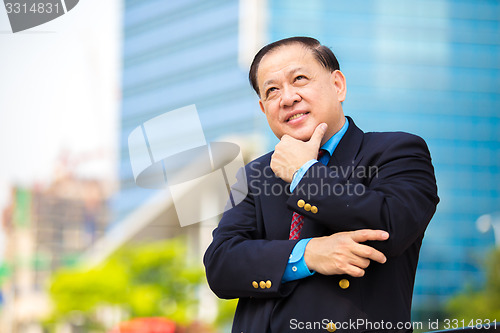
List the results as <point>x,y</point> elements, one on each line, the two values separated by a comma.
<point>295,116</point>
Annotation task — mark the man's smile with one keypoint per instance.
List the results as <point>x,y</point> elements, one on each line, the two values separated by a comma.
<point>297,116</point>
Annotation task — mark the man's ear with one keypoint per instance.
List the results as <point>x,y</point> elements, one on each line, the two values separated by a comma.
<point>338,80</point>
<point>261,106</point>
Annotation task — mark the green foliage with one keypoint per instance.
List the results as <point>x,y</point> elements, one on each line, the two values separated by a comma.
<point>225,315</point>
<point>4,273</point>
<point>473,304</point>
<point>144,281</point>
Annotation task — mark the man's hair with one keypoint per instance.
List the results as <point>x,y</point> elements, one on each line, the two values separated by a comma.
<point>322,54</point>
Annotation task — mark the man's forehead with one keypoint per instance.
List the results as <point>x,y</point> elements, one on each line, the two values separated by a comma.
<point>286,59</point>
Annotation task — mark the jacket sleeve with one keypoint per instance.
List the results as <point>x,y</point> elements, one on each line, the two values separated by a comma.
<point>240,262</point>
<point>393,190</point>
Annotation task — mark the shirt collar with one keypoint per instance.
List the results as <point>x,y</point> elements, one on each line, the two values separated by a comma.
<point>331,144</point>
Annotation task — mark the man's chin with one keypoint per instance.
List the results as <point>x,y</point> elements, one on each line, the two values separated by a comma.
<point>303,134</point>
<point>300,136</point>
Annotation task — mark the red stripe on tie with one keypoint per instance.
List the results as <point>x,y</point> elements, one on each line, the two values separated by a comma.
<point>295,228</point>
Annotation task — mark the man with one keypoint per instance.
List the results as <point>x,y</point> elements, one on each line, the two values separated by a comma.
<point>338,253</point>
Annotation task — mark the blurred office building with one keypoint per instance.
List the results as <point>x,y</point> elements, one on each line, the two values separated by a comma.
<point>47,228</point>
<point>428,67</point>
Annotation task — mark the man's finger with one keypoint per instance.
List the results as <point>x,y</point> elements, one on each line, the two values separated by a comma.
<point>355,271</point>
<point>318,134</point>
<point>360,262</point>
<point>286,137</point>
<point>368,252</point>
<point>360,236</point>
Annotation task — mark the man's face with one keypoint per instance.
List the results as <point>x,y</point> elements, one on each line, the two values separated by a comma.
<point>297,93</point>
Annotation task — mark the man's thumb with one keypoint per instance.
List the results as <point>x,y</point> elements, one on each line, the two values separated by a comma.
<point>318,134</point>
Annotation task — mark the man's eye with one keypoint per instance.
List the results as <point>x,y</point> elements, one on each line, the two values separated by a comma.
<point>300,77</point>
<point>270,90</point>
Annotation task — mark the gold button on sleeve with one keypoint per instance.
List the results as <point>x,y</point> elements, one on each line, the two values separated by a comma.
<point>307,207</point>
<point>301,203</point>
<point>268,284</point>
<point>255,284</point>
<point>262,285</point>
<point>344,283</point>
<point>331,327</point>
<point>314,209</point>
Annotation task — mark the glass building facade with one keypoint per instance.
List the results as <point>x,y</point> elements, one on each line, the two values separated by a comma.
<point>178,53</point>
<point>431,68</point>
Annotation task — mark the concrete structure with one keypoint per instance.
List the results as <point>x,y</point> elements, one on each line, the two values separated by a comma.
<point>46,229</point>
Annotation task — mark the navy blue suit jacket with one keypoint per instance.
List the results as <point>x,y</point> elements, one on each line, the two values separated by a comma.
<point>373,181</point>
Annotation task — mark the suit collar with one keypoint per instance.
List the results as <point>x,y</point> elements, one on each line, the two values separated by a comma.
<point>348,147</point>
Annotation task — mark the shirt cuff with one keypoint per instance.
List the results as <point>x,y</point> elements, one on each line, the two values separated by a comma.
<point>300,173</point>
<point>296,268</point>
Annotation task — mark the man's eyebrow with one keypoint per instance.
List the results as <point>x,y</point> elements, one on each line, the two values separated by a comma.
<point>290,72</point>
<point>295,70</point>
<point>268,82</point>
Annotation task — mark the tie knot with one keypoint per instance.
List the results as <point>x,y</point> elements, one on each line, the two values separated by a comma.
<point>321,153</point>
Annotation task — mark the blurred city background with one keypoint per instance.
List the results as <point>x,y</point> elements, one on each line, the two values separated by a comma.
<point>83,249</point>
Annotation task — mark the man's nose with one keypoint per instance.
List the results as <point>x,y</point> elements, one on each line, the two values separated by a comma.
<point>289,96</point>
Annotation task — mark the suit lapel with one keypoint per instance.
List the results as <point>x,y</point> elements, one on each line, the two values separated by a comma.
<point>345,157</point>
<point>276,221</point>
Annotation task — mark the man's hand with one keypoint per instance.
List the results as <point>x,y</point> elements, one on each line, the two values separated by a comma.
<point>290,154</point>
<point>341,253</point>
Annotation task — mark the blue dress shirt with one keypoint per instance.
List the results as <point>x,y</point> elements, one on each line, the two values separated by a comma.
<point>296,267</point>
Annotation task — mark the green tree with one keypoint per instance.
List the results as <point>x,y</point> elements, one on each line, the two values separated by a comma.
<point>154,279</point>
<point>473,304</point>
<point>225,315</point>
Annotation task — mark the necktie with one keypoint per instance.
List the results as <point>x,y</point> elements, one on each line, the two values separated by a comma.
<point>297,219</point>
